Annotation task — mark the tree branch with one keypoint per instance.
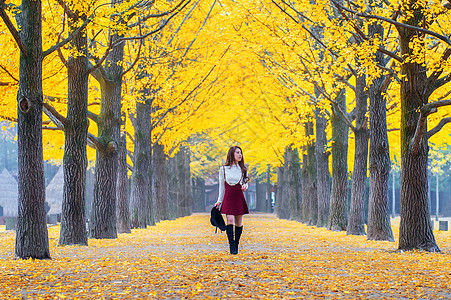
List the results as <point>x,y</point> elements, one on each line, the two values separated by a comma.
<point>99,62</point>
<point>130,137</point>
<point>69,38</point>
<point>433,79</point>
<point>51,128</point>
<point>390,21</point>
<point>136,59</point>
<point>93,116</point>
<point>163,14</point>
<point>10,75</point>
<point>68,12</point>
<point>93,142</point>
<point>11,119</point>
<point>363,35</point>
<point>153,31</point>
<point>437,128</point>
<point>335,104</point>
<point>432,107</point>
<point>442,81</point>
<point>12,29</point>
<point>160,119</point>
<point>425,111</point>
<point>54,116</point>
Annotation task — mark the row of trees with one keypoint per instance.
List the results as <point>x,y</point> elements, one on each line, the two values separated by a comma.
<point>95,49</point>
<point>285,80</point>
<point>407,53</point>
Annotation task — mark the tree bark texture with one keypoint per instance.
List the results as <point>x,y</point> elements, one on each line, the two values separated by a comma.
<point>31,229</point>
<point>294,188</point>
<point>415,230</point>
<point>322,169</point>
<point>198,194</point>
<point>160,191</point>
<point>173,187</point>
<point>308,182</point>
<point>311,171</point>
<point>356,222</point>
<point>140,182</point>
<point>75,161</point>
<point>184,197</point>
<point>260,187</point>
<point>123,203</point>
<point>188,188</point>
<point>338,214</point>
<point>103,212</point>
<point>281,207</point>
<point>379,227</point>
<point>269,203</point>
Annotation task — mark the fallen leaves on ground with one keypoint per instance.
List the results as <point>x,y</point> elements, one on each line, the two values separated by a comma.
<point>185,259</point>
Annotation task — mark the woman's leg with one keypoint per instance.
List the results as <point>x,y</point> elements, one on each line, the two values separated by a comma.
<point>230,234</point>
<point>238,231</point>
<point>231,219</point>
<point>238,220</point>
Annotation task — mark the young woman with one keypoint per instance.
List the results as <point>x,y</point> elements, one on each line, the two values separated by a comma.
<point>232,183</point>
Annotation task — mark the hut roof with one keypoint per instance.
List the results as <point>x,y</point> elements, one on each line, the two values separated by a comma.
<point>54,192</point>
<point>9,194</point>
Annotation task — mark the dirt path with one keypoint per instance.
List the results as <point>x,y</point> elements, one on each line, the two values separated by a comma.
<point>185,259</point>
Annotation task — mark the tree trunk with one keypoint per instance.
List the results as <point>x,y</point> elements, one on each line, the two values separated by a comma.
<point>198,194</point>
<point>261,195</point>
<point>160,192</point>
<point>140,182</point>
<point>31,229</point>
<point>322,168</point>
<point>269,204</point>
<point>312,175</point>
<point>280,206</point>
<point>338,202</point>
<point>294,188</point>
<point>184,197</point>
<point>308,181</point>
<point>379,227</point>
<point>103,212</point>
<point>187,182</point>
<point>415,230</point>
<point>173,187</point>
<point>356,222</point>
<point>123,204</point>
<point>75,162</point>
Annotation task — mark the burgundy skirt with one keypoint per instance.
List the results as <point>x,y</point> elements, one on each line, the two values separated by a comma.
<point>234,202</point>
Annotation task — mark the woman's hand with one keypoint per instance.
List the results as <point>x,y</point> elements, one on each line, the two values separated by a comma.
<point>244,187</point>
<point>217,204</point>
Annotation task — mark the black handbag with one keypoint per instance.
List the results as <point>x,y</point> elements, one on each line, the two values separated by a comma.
<point>216,219</point>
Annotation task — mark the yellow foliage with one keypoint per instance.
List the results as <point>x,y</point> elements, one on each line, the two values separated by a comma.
<point>233,72</point>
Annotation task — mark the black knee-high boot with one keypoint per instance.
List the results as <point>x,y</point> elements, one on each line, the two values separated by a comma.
<point>238,231</point>
<point>229,231</point>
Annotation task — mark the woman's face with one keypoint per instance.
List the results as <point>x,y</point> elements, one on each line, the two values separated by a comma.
<point>238,155</point>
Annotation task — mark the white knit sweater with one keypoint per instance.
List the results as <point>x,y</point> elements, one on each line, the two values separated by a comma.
<point>233,176</point>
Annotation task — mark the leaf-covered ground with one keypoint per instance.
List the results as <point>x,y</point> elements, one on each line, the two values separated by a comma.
<point>186,259</point>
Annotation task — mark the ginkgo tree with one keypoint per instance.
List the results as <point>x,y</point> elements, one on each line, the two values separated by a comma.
<point>424,56</point>
<point>31,233</point>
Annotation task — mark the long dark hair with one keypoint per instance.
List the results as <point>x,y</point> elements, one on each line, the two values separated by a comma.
<point>231,159</point>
